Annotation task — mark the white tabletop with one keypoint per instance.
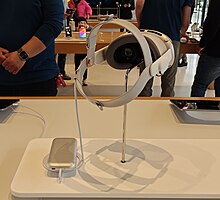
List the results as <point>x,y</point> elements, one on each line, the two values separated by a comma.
<point>155,168</point>
<point>152,119</point>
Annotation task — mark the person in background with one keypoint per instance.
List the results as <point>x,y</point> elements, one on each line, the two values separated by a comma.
<point>208,68</point>
<point>183,57</point>
<point>27,60</point>
<point>71,4</point>
<point>126,7</point>
<point>109,7</point>
<point>84,11</point>
<point>61,58</point>
<point>172,18</point>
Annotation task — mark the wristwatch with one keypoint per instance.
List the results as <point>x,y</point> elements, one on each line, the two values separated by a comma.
<point>22,54</point>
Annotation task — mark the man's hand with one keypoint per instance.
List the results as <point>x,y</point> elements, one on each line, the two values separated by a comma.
<point>200,51</point>
<point>13,63</point>
<point>2,54</point>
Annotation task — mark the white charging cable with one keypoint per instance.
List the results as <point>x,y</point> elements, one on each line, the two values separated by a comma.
<point>81,160</point>
<point>60,177</point>
<point>34,114</point>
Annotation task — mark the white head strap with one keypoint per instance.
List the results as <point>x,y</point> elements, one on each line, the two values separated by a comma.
<point>151,68</point>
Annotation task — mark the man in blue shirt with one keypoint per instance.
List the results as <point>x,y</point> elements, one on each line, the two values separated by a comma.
<point>27,59</point>
<point>172,18</point>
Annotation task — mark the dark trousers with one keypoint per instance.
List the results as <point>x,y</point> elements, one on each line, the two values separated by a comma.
<point>61,61</point>
<point>167,79</point>
<point>208,70</point>
<point>44,88</point>
<point>78,58</point>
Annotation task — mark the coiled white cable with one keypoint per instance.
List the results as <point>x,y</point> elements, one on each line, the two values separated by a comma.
<point>34,114</point>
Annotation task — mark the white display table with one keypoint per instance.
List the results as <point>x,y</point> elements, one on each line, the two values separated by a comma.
<point>154,169</point>
<point>146,120</point>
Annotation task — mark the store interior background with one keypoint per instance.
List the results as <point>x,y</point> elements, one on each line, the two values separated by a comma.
<point>105,81</point>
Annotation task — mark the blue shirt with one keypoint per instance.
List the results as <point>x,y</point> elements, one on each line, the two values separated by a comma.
<point>20,21</point>
<point>164,16</point>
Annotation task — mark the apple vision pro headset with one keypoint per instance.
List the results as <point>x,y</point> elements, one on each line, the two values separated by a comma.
<point>127,51</point>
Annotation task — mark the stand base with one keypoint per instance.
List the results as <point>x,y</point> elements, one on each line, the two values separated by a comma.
<point>153,169</point>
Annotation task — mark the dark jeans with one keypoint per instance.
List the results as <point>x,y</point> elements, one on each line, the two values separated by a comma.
<point>167,79</point>
<point>61,61</point>
<point>78,58</point>
<point>44,88</point>
<point>208,69</point>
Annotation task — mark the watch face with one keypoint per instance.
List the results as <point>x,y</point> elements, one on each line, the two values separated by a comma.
<point>24,55</point>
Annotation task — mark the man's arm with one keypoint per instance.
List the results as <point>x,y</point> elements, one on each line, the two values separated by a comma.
<point>138,11</point>
<point>13,63</point>
<point>44,36</point>
<point>185,20</point>
<point>34,46</point>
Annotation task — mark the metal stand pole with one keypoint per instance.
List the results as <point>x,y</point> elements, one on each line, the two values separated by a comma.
<point>99,10</point>
<point>118,10</point>
<point>123,160</point>
<point>97,7</point>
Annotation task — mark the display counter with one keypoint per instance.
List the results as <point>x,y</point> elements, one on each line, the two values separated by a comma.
<point>74,44</point>
<point>94,22</point>
<point>152,128</point>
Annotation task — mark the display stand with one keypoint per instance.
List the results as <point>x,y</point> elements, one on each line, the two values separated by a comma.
<point>206,117</point>
<point>163,168</point>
